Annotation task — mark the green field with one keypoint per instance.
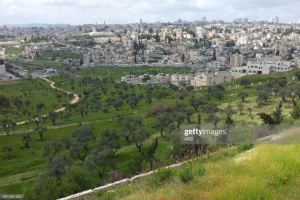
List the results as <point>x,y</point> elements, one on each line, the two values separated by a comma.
<point>14,50</point>
<point>35,91</point>
<point>118,72</point>
<point>48,55</point>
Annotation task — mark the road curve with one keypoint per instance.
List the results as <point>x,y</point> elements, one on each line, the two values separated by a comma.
<point>75,100</point>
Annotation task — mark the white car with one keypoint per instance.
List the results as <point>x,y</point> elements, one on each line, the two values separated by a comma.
<point>45,75</point>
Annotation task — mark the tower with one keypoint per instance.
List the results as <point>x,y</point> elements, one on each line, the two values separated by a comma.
<point>141,21</point>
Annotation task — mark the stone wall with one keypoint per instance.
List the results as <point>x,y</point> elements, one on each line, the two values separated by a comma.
<point>90,193</point>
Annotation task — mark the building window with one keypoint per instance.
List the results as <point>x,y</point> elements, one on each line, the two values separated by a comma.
<point>255,66</point>
<point>275,68</point>
<point>251,66</point>
<point>284,68</point>
<point>250,71</point>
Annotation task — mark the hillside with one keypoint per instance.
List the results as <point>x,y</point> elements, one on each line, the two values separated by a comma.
<point>97,110</point>
<point>265,172</point>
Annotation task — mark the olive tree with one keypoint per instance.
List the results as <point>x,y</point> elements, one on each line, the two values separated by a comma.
<point>25,139</point>
<point>100,162</point>
<point>162,122</point>
<point>7,150</point>
<point>41,130</point>
<point>243,95</point>
<point>7,124</point>
<point>81,139</point>
<point>109,140</point>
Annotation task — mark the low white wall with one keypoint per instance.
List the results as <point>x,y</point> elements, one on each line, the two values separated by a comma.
<point>89,193</point>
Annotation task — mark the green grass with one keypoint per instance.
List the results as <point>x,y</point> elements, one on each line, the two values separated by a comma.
<point>36,91</point>
<point>47,55</point>
<point>258,174</point>
<point>27,163</point>
<point>18,175</point>
<point>14,50</point>
<point>118,72</point>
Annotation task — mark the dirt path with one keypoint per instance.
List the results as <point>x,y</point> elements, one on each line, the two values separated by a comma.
<point>55,127</point>
<point>108,73</point>
<point>76,99</point>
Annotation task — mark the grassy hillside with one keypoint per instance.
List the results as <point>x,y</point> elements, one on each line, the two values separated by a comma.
<point>266,172</point>
<point>20,174</point>
<point>35,91</point>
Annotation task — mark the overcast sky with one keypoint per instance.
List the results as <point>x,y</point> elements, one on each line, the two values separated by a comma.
<point>81,12</point>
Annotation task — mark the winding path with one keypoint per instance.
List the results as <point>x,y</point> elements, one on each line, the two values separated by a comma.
<point>75,100</point>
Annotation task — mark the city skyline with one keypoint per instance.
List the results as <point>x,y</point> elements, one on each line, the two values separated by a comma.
<point>128,11</point>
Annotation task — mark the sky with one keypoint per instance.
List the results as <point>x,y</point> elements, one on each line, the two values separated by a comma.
<point>77,12</point>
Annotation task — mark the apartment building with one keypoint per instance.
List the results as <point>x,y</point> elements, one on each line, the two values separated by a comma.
<point>261,67</point>
<point>131,79</point>
<point>182,78</point>
<point>206,79</point>
<point>162,77</point>
<point>236,60</point>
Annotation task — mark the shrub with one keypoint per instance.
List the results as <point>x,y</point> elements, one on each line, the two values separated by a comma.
<point>200,171</point>
<point>158,109</point>
<point>245,147</point>
<point>4,101</point>
<point>185,174</point>
<point>159,177</point>
<point>135,166</point>
<point>25,111</point>
<point>109,195</point>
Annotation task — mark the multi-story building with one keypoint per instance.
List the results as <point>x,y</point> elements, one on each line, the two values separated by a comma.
<point>133,79</point>
<point>152,78</point>
<point>162,77</point>
<point>261,67</point>
<point>236,60</point>
<point>204,79</point>
<point>182,78</point>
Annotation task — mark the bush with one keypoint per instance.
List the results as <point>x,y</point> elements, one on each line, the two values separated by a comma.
<point>185,174</point>
<point>135,166</point>
<point>159,177</point>
<point>76,180</point>
<point>245,147</point>
<point>4,101</point>
<point>158,109</point>
<point>106,195</point>
<point>200,171</point>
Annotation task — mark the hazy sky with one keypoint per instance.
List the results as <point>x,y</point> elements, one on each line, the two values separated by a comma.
<point>130,11</point>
